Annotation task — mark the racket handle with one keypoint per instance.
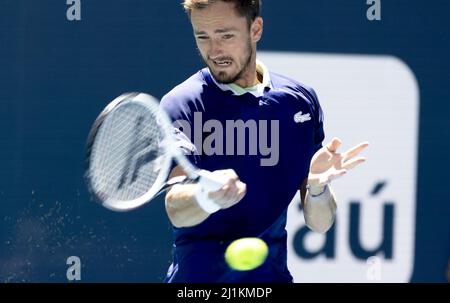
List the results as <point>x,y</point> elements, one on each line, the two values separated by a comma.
<point>206,184</point>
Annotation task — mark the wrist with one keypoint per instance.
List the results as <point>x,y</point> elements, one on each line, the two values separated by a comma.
<point>206,204</point>
<point>316,190</point>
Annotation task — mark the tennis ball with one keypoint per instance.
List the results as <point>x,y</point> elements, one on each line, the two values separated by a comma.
<point>246,253</point>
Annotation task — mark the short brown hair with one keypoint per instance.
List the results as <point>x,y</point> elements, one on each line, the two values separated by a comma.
<point>245,8</point>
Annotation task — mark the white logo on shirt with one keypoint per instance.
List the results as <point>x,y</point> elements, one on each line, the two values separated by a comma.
<point>300,117</point>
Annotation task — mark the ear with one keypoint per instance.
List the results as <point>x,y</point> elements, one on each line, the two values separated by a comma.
<point>256,29</point>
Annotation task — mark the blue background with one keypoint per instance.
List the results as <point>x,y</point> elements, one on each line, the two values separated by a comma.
<point>56,76</point>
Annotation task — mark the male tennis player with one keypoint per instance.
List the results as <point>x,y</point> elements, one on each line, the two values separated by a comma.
<point>235,86</point>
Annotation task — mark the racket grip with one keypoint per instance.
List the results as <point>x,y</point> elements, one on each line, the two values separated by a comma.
<point>206,184</point>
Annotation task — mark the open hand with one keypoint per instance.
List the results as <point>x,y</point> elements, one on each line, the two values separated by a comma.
<point>327,164</point>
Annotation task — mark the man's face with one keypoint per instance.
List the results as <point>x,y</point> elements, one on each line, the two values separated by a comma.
<point>225,41</point>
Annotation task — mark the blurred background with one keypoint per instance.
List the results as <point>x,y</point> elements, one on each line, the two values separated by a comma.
<point>56,75</point>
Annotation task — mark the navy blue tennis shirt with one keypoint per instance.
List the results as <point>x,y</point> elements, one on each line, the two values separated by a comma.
<point>287,117</point>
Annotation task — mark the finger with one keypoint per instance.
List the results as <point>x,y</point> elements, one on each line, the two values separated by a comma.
<point>334,145</point>
<point>231,194</point>
<point>218,194</point>
<point>354,151</point>
<point>242,190</point>
<point>230,174</point>
<point>226,179</point>
<point>353,163</point>
<point>337,174</point>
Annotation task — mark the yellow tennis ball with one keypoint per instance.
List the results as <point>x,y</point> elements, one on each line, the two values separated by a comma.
<point>246,253</point>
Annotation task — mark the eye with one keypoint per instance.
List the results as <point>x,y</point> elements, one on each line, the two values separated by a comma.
<point>228,36</point>
<point>202,38</point>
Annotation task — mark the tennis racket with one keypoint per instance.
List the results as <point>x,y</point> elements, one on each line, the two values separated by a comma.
<point>129,153</point>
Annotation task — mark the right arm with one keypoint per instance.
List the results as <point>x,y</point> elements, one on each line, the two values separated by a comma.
<point>182,207</point>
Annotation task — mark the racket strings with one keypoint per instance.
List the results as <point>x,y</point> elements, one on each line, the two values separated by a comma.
<point>126,155</point>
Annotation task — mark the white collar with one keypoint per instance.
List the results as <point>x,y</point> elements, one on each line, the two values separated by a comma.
<point>257,90</point>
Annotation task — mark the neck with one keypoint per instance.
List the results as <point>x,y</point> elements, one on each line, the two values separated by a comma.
<point>249,78</point>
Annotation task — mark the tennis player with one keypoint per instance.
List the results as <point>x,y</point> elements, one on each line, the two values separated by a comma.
<point>236,87</point>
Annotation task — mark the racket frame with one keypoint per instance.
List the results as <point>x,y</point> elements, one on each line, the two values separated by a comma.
<point>170,152</point>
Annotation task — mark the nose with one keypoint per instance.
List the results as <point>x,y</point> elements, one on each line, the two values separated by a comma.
<point>216,48</point>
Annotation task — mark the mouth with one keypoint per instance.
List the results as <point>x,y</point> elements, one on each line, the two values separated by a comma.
<point>222,63</point>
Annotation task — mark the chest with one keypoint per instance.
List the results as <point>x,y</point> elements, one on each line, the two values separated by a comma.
<point>269,135</point>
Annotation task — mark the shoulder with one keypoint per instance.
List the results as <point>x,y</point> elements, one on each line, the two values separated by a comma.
<point>185,98</point>
<point>294,87</point>
<point>305,98</point>
<point>190,89</point>
<point>303,93</point>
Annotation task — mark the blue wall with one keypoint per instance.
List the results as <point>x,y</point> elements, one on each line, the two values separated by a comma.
<point>56,76</point>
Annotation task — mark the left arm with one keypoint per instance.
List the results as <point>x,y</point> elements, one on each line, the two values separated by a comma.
<point>318,201</point>
<point>319,207</point>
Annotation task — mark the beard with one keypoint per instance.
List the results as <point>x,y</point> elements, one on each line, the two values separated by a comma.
<point>223,77</point>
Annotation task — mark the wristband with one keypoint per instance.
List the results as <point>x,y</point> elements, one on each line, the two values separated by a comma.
<point>314,196</point>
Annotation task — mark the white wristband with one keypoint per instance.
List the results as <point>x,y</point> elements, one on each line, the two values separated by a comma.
<point>207,204</point>
<point>325,187</point>
<point>324,199</point>
<point>206,184</point>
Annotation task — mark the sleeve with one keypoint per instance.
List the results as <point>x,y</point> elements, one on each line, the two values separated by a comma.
<point>181,117</point>
<point>319,134</point>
